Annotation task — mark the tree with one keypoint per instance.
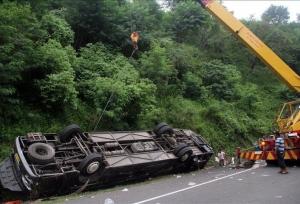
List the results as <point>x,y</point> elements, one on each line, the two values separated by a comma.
<point>193,86</point>
<point>101,75</point>
<point>57,28</point>
<point>276,15</point>
<point>186,19</point>
<point>143,16</point>
<point>19,30</point>
<point>57,86</point>
<point>156,66</point>
<point>221,79</point>
<point>87,19</point>
<point>298,17</point>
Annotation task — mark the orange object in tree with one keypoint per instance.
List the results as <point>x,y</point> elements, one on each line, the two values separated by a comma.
<point>134,39</point>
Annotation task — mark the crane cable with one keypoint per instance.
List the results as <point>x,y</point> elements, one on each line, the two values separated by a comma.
<point>134,40</point>
<point>104,109</point>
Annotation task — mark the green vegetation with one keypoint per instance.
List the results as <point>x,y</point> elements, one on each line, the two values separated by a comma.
<point>61,61</point>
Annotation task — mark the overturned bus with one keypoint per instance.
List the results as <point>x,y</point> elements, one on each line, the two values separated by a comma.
<point>45,164</point>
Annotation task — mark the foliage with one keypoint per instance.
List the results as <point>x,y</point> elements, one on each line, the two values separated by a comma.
<point>57,28</point>
<point>66,61</point>
<point>276,15</point>
<point>156,66</point>
<point>221,80</point>
<point>186,19</point>
<point>19,29</point>
<point>58,87</point>
<point>102,75</point>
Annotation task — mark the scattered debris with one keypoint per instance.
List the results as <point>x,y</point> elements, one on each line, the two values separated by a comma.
<point>216,159</point>
<point>240,179</point>
<point>178,176</point>
<point>125,190</point>
<point>109,201</point>
<point>232,161</point>
<point>92,197</point>
<point>252,172</point>
<point>192,183</point>
<point>210,167</point>
<point>265,175</point>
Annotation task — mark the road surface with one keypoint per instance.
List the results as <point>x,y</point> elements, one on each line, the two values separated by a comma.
<point>211,186</point>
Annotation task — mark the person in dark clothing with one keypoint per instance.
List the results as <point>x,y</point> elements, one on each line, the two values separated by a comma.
<point>279,148</point>
<point>238,157</point>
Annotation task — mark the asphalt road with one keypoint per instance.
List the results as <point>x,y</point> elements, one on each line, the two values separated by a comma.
<point>217,185</point>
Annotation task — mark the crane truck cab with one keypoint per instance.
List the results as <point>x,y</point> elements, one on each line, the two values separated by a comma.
<point>289,117</point>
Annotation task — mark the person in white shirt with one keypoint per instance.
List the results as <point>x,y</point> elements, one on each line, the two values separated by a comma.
<point>221,156</point>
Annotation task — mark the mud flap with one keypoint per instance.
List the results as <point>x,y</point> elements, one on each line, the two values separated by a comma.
<point>7,176</point>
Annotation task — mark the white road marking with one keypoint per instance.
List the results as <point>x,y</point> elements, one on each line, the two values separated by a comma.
<point>195,186</point>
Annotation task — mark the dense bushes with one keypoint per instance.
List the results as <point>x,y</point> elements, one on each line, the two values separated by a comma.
<point>64,62</point>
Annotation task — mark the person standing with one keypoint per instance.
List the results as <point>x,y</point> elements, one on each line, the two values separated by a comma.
<point>238,157</point>
<point>221,156</point>
<point>279,148</point>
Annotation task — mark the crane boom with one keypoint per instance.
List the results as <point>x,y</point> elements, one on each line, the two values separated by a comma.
<point>262,51</point>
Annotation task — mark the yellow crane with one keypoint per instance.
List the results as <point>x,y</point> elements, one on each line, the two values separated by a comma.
<point>289,118</point>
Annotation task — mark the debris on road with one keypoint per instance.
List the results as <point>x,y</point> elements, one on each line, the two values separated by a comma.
<point>109,201</point>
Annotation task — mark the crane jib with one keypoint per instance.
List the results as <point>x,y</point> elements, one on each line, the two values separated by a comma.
<point>258,47</point>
